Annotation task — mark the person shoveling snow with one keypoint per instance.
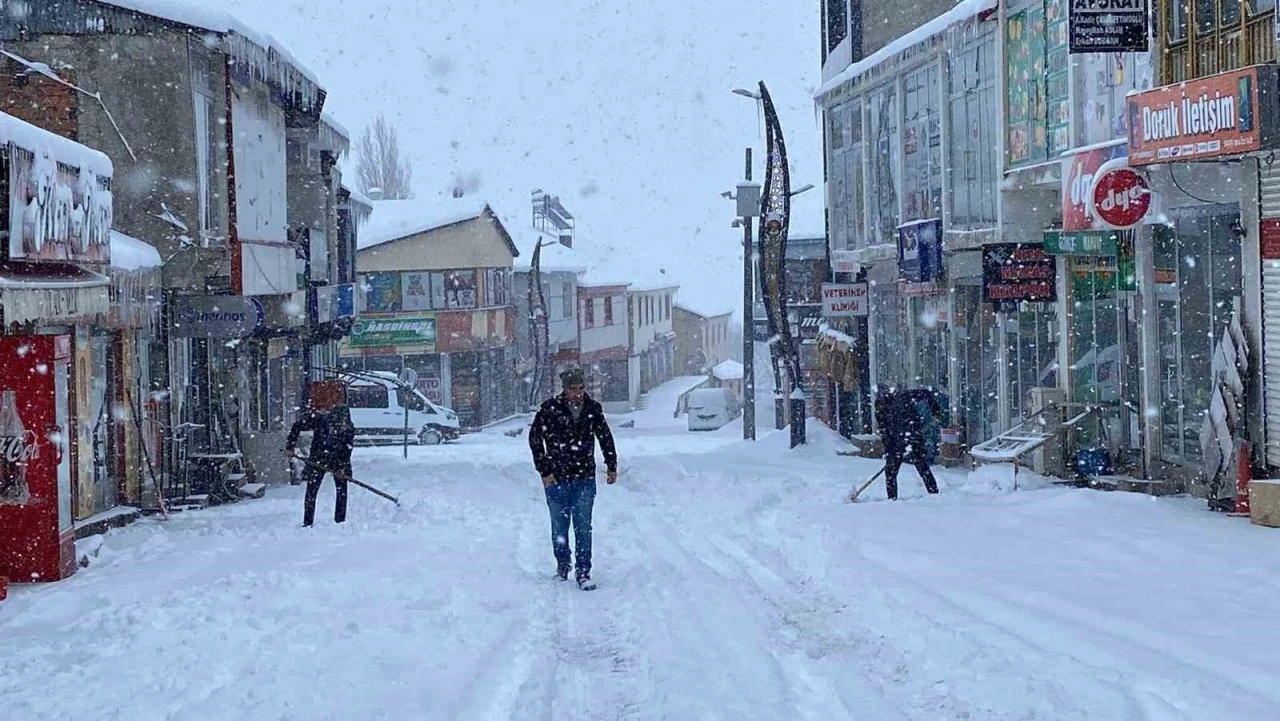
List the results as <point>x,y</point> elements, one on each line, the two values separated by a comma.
<point>902,428</point>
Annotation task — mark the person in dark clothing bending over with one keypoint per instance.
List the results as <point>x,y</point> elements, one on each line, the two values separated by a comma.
<point>562,439</point>
<point>902,430</point>
<point>331,446</point>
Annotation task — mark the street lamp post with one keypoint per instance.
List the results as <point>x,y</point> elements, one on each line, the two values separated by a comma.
<point>748,198</point>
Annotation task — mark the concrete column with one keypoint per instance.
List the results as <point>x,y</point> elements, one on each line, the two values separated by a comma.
<point>1251,276</point>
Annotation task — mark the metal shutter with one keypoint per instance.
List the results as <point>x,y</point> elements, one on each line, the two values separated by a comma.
<point>1269,187</point>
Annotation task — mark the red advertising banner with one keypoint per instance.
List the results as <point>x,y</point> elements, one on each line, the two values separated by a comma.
<point>1224,114</point>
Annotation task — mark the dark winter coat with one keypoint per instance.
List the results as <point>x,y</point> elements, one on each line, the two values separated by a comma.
<point>332,443</point>
<point>901,426</point>
<point>566,448</point>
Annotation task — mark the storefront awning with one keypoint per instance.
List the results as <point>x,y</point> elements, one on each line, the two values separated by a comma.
<point>40,292</point>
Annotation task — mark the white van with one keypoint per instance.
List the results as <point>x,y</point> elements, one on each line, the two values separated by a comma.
<point>711,408</point>
<point>377,400</point>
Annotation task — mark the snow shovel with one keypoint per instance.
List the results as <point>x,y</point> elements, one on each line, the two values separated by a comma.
<point>362,484</point>
<point>853,497</point>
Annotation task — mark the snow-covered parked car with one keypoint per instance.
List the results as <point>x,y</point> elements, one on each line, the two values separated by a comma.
<point>711,408</point>
<point>378,401</point>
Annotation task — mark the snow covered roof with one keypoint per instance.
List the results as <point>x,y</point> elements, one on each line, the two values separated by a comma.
<point>131,254</point>
<point>38,140</point>
<point>704,312</point>
<point>730,370</point>
<point>650,287</point>
<point>266,57</point>
<point>396,219</point>
<point>963,10</point>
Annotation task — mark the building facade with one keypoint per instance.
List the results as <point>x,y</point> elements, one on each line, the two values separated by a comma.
<point>604,326</point>
<point>703,339</point>
<point>962,162</point>
<point>653,338</point>
<point>437,298</point>
<point>211,150</point>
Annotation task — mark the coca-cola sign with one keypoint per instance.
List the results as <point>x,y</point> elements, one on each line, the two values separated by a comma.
<point>1120,197</point>
<point>18,447</point>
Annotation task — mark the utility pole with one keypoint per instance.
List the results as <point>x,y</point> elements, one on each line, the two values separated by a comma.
<point>748,317</point>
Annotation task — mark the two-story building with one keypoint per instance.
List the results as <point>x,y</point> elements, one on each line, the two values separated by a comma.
<point>436,280</point>
<point>653,337</point>
<point>704,339</point>
<point>604,327</point>
<point>208,168</point>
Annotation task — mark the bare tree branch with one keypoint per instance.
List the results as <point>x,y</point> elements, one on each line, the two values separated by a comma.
<point>379,163</point>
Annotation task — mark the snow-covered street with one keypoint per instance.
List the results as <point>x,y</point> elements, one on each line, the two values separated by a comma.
<point>735,584</point>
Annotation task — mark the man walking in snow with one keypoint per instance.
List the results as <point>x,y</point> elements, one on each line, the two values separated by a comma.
<point>562,439</point>
<point>902,430</point>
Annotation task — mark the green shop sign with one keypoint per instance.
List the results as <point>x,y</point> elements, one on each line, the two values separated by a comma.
<point>1081,242</point>
<point>417,331</point>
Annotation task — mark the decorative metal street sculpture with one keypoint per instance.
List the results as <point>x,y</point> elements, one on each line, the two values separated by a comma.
<point>775,212</point>
<point>539,335</point>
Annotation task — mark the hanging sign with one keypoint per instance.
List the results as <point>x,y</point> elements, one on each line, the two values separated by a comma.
<point>844,300</point>
<point>216,316</point>
<point>1223,114</point>
<point>1108,26</point>
<point>1082,242</point>
<point>920,251</point>
<point>1120,196</point>
<point>845,261</point>
<point>398,332</point>
<point>1018,272</point>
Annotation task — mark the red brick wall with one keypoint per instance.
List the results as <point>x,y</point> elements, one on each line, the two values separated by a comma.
<point>40,100</point>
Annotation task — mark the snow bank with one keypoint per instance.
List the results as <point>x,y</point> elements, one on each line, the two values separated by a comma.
<point>963,10</point>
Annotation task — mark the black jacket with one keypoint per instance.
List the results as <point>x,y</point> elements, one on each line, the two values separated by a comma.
<point>330,446</point>
<point>566,448</point>
<point>901,426</point>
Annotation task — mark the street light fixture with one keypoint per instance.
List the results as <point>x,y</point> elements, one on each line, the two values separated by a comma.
<point>801,189</point>
<point>747,94</point>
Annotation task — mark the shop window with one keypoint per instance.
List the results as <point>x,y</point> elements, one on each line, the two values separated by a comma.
<point>614,381</point>
<point>1197,288</point>
<point>922,146</point>
<point>929,341</point>
<point>837,14</point>
<point>1205,37</point>
<point>973,164</point>
<point>884,165</point>
<point>974,325</point>
<point>497,283</point>
<point>460,288</point>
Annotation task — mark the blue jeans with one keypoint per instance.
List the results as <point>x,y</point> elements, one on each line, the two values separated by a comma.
<point>572,501</point>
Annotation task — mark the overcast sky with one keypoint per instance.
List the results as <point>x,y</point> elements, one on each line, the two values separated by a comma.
<point>622,108</point>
